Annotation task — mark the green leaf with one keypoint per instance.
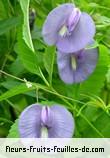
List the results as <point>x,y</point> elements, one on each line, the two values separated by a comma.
<point>49,57</point>
<point>3,45</point>
<point>15,66</point>
<point>9,84</point>
<point>108,75</point>
<point>15,91</point>
<point>25,46</point>
<point>3,12</point>
<point>26,30</point>
<point>13,132</point>
<point>7,24</point>
<point>21,89</point>
<point>28,57</point>
<point>95,82</point>
<point>12,83</point>
<point>98,118</point>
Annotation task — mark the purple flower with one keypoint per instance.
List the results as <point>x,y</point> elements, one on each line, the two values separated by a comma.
<point>68,28</point>
<point>76,67</point>
<point>42,121</point>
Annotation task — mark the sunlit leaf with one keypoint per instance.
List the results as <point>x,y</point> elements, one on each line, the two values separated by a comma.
<point>26,30</point>
<point>13,132</point>
<point>22,88</point>
<point>25,46</point>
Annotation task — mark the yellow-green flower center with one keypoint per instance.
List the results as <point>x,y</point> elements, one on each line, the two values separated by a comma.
<point>74,63</point>
<point>44,132</point>
<point>63,31</point>
<point>70,23</point>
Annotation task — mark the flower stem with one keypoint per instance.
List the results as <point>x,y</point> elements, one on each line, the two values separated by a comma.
<point>11,76</point>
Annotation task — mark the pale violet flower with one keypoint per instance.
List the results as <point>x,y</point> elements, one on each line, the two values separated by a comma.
<point>68,28</point>
<point>38,121</point>
<point>77,67</point>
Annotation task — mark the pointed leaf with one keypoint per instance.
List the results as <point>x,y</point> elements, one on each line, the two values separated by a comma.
<point>95,82</point>
<point>49,57</point>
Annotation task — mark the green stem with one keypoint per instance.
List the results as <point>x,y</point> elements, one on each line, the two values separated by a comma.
<point>92,126</point>
<point>6,120</point>
<point>63,98</point>
<point>11,76</point>
<point>77,87</point>
<point>43,77</point>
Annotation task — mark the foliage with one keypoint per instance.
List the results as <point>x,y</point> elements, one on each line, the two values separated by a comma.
<point>29,72</point>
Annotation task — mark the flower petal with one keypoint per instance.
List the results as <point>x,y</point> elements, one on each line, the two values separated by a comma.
<point>54,21</point>
<point>63,123</point>
<point>30,122</point>
<point>86,64</point>
<point>80,37</point>
<point>64,67</point>
<point>46,117</point>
